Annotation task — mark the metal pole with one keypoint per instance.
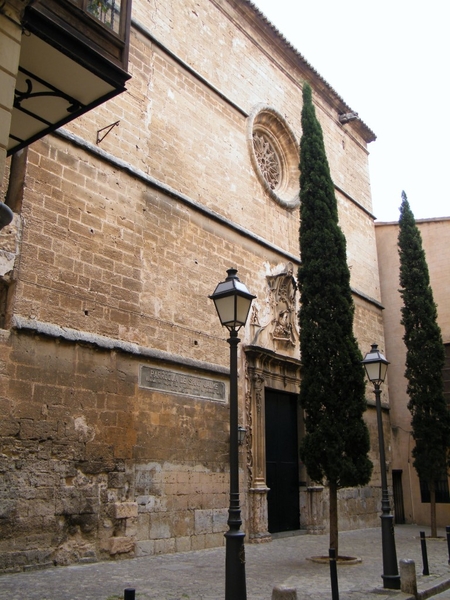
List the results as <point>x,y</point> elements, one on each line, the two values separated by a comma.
<point>423,543</point>
<point>333,574</point>
<point>447,531</point>
<point>129,594</point>
<point>391,577</point>
<point>235,585</point>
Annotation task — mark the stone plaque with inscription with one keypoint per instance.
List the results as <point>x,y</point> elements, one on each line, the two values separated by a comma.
<point>177,382</point>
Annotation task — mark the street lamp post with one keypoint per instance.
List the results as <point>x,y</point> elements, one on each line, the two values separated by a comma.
<point>233,301</point>
<point>376,368</point>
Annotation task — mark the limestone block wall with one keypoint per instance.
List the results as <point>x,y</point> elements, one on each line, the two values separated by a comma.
<point>98,234</point>
<point>106,252</point>
<point>112,257</point>
<point>187,126</point>
<point>95,466</point>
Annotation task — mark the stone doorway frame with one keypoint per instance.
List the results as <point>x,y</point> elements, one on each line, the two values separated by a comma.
<point>263,369</point>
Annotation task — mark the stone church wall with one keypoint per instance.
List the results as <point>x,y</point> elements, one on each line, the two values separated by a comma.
<point>97,466</point>
<point>108,268</point>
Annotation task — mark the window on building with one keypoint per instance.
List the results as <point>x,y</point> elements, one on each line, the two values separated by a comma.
<point>106,11</point>
<point>442,492</point>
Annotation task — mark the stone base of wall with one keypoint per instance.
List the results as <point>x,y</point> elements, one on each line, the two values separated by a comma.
<point>95,468</point>
<point>358,508</point>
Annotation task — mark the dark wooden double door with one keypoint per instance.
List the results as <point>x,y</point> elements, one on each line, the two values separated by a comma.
<point>282,462</point>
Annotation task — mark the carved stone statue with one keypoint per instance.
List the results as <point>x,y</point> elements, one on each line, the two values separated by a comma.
<point>278,329</point>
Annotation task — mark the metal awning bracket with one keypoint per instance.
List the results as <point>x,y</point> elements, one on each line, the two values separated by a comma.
<point>107,129</point>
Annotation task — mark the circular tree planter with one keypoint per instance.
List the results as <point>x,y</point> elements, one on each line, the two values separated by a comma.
<point>341,560</point>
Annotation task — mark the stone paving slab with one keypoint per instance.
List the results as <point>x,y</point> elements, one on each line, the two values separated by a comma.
<point>200,575</point>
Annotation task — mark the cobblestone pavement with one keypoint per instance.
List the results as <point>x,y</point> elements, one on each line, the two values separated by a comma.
<point>200,575</point>
<point>444,596</point>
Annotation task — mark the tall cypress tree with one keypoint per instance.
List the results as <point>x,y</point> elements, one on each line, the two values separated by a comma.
<point>332,393</point>
<point>424,359</point>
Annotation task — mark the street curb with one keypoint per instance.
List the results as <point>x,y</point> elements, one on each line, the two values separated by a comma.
<point>436,589</point>
<point>432,591</point>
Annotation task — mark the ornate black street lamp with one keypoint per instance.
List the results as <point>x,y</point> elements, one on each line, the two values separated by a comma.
<point>376,368</point>
<point>233,301</point>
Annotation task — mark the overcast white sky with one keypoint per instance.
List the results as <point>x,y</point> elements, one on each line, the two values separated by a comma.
<point>390,61</point>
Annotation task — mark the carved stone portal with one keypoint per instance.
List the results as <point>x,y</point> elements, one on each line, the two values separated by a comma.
<point>264,369</point>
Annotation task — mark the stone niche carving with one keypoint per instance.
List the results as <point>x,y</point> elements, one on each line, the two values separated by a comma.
<point>277,329</point>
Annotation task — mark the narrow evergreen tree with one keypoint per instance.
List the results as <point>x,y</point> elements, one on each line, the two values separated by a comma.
<point>424,359</point>
<point>332,393</point>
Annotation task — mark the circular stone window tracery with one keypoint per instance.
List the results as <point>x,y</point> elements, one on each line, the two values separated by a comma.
<point>267,159</point>
<point>275,155</point>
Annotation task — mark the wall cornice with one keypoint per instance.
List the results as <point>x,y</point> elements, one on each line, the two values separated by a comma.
<point>32,326</point>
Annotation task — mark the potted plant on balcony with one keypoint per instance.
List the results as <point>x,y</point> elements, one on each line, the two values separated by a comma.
<point>103,10</point>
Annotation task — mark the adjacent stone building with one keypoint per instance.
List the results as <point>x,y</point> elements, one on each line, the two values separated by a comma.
<point>412,504</point>
<point>113,366</point>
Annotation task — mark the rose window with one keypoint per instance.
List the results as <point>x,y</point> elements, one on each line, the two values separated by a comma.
<point>267,159</point>
<point>274,153</point>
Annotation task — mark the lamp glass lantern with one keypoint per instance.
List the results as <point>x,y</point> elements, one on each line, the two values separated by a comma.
<point>242,432</point>
<point>376,365</point>
<point>232,301</point>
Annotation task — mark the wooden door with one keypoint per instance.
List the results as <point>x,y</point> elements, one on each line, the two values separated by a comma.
<point>282,468</point>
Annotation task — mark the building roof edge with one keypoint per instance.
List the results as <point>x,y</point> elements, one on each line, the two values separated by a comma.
<point>363,129</point>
